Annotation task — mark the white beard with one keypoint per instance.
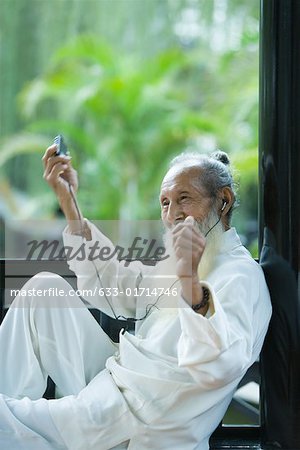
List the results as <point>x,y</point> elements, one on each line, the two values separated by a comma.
<point>213,244</point>
<point>164,273</point>
<point>208,259</point>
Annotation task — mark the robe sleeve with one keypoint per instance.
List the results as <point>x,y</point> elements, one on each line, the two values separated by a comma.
<point>105,283</point>
<point>219,348</point>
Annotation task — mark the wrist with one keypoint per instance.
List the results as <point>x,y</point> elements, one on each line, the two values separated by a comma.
<point>76,222</point>
<point>191,289</point>
<point>192,278</point>
<point>204,303</point>
<point>80,228</point>
<point>69,209</point>
<point>195,294</point>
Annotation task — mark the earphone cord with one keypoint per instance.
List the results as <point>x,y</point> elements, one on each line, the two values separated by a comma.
<point>149,307</point>
<point>213,226</point>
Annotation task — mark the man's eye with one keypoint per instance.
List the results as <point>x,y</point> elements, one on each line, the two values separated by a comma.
<point>164,203</point>
<point>183,197</point>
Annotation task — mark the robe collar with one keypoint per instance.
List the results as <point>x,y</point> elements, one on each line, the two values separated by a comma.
<point>230,240</point>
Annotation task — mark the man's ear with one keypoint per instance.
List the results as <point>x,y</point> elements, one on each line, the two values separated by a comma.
<point>227,198</point>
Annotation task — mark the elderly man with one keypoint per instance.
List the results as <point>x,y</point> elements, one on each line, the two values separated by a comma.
<point>168,385</point>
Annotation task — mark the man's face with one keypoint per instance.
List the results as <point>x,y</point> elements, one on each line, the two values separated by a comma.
<point>182,195</point>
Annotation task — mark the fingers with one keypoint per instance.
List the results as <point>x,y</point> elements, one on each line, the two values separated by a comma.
<point>53,161</point>
<point>188,228</point>
<point>188,245</point>
<point>61,162</point>
<point>188,222</point>
<point>50,158</point>
<point>187,236</point>
<point>51,151</point>
<point>52,176</point>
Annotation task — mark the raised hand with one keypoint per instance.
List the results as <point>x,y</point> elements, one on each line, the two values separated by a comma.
<point>189,245</point>
<point>59,174</point>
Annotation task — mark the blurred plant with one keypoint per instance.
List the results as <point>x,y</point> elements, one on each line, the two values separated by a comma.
<point>122,116</point>
<point>125,116</point>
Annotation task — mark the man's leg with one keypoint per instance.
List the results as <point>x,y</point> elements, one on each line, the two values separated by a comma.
<point>59,337</point>
<point>98,418</point>
<point>49,335</point>
<point>27,425</point>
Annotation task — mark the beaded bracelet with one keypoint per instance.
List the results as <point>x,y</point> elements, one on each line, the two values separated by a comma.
<point>204,301</point>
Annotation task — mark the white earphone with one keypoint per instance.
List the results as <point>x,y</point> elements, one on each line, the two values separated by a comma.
<point>224,205</point>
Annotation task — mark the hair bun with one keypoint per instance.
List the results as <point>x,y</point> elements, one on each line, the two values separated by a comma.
<point>221,156</point>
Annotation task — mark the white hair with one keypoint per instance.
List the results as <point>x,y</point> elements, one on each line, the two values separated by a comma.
<point>215,173</point>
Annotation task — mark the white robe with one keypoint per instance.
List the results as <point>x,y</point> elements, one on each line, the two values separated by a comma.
<point>169,385</point>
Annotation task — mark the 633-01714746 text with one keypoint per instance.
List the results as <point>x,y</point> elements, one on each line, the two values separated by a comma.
<point>137,292</point>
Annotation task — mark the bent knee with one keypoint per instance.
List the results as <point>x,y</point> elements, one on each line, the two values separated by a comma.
<point>45,289</point>
<point>47,279</point>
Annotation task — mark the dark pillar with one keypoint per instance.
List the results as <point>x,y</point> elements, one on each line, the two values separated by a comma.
<point>279,218</point>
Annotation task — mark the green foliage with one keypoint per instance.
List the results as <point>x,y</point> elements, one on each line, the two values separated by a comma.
<point>246,176</point>
<point>126,112</point>
<point>123,117</point>
<point>22,143</point>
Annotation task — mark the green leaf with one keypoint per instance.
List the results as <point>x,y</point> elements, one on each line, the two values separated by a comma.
<point>22,143</point>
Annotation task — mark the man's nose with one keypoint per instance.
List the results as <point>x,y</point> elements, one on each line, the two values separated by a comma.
<point>175,214</point>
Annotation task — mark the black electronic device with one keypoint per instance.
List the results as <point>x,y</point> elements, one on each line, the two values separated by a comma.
<point>62,148</point>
